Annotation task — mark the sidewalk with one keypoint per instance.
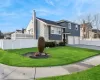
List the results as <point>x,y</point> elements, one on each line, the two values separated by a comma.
<point>9,72</point>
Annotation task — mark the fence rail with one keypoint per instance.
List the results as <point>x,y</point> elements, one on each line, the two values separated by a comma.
<point>21,36</point>
<point>18,43</point>
<point>95,42</point>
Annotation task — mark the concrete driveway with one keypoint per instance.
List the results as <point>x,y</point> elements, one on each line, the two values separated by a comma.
<point>86,46</point>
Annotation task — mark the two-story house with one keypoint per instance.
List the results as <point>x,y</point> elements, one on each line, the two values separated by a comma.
<point>50,30</point>
<point>54,30</point>
<point>71,31</point>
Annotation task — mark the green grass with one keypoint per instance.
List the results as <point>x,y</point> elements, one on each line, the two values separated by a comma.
<point>59,56</point>
<point>90,74</point>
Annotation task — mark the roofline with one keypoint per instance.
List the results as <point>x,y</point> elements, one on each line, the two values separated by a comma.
<point>54,25</point>
<point>67,21</point>
<point>47,23</point>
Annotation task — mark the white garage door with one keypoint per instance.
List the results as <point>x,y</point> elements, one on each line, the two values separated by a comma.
<point>76,40</point>
<point>73,40</point>
<point>70,40</point>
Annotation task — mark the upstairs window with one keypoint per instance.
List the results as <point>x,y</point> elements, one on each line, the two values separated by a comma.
<point>69,25</point>
<point>76,27</point>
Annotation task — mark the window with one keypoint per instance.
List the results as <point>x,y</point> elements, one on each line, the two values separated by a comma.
<point>69,25</point>
<point>59,32</point>
<point>55,30</point>
<point>76,27</point>
<point>52,31</point>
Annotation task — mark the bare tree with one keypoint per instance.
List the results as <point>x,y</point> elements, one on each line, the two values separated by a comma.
<point>94,20</point>
<point>97,23</point>
<point>87,20</point>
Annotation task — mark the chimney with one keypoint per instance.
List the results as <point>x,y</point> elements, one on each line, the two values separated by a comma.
<point>34,23</point>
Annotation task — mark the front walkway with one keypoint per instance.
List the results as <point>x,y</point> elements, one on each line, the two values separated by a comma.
<point>12,73</point>
<point>86,46</point>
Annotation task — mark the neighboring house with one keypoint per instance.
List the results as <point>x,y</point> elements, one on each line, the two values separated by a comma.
<point>17,32</point>
<point>86,31</point>
<point>95,33</point>
<point>8,35</point>
<point>71,31</point>
<point>50,30</point>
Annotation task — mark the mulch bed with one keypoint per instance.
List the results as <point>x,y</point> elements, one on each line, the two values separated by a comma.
<point>31,55</point>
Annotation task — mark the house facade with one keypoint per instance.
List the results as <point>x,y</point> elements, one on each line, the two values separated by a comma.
<point>54,31</point>
<point>48,29</point>
<point>71,31</point>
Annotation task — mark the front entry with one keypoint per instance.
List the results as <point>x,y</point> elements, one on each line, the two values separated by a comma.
<point>65,38</point>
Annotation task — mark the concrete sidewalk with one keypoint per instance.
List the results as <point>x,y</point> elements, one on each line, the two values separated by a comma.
<point>9,72</point>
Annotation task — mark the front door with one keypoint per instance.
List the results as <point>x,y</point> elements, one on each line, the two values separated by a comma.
<point>65,38</point>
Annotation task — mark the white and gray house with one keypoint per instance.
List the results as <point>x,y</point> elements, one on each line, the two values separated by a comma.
<point>71,31</point>
<point>52,30</point>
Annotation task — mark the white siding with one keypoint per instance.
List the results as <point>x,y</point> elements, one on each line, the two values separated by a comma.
<point>41,25</point>
<point>46,33</point>
<point>30,28</point>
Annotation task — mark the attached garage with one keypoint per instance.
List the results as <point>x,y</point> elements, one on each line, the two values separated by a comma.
<point>73,40</point>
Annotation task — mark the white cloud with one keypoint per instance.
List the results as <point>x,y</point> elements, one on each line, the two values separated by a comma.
<point>50,2</point>
<point>48,12</point>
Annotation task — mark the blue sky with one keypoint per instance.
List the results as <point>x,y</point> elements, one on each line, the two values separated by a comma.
<point>16,14</point>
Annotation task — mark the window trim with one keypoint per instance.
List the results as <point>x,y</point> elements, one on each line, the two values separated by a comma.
<point>76,27</point>
<point>69,26</point>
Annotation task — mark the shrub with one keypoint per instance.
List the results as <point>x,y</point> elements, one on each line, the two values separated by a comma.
<point>62,43</point>
<point>50,44</point>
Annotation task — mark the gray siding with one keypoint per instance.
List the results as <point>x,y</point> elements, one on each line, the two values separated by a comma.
<point>73,30</point>
<point>54,36</point>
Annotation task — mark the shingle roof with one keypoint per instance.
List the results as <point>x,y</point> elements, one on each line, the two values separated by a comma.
<point>48,21</point>
<point>61,21</point>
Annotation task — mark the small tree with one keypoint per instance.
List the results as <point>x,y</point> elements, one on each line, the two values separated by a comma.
<point>41,44</point>
<point>1,35</point>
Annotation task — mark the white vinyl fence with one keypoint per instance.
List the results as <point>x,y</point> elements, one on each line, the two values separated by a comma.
<point>21,36</point>
<point>18,43</point>
<point>72,40</point>
<point>95,42</point>
<point>0,43</point>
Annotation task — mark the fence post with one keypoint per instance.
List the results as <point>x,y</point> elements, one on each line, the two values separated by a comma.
<point>2,45</point>
<point>12,44</point>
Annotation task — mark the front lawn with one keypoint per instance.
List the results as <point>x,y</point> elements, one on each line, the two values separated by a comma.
<point>90,74</point>
<point>59,56</point>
